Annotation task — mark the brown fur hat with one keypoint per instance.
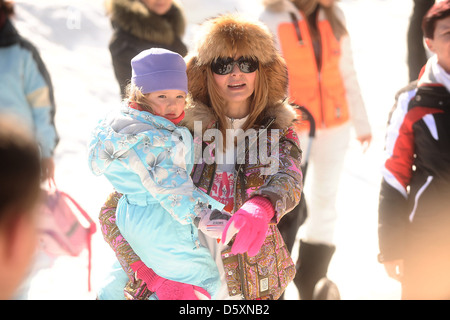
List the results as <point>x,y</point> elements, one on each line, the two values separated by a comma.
<point>226,35</point>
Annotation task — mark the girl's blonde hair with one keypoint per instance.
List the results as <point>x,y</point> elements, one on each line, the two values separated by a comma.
<point>134,94</point>
<point>308,7</point>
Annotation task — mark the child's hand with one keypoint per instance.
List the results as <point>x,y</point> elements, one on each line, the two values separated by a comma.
<point>365,141</point>
<point>171,290</point>
<point>212,222</point>
<point>167,289</point>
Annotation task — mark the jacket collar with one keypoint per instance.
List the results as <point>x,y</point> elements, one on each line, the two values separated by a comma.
<point>433,75</point>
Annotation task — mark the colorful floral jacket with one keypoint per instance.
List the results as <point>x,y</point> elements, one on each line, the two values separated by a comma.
<point>281,182</point>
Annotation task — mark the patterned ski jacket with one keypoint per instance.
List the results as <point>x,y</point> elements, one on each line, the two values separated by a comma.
<point>415,190</point>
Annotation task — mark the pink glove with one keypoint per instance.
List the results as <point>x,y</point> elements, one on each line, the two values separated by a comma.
<point>251,223</point>
<point>167,289</point>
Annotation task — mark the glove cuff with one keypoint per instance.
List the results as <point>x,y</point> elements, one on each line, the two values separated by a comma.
<point>135,266</point>
<point>146,274</point>
<point>259,206</point>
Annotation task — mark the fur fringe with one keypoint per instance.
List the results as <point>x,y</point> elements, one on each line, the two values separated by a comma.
<point>134,17</point>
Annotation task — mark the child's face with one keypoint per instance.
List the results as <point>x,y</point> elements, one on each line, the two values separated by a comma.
<point>167,103</point>
<point>440,44</point>
<point>159,7</point>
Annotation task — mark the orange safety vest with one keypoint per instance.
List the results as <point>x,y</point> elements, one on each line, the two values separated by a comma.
<point>322,91</point>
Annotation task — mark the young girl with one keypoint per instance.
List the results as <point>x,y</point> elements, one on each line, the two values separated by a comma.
<point>148,159</point>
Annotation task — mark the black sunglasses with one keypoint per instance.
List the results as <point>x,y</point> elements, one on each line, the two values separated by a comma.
<point>224,66</point>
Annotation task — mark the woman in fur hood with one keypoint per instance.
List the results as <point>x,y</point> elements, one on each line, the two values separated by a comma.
<point>139,25</point>
<point>237,82</point>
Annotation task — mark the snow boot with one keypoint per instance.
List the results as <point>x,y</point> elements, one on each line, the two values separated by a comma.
<point>325,289</point>
<point>312,266</point>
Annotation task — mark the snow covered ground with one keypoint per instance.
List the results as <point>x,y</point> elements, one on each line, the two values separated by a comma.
<point>72,36</point>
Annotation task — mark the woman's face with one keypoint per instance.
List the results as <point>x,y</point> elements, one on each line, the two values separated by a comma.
<point>236,86</point>
<point>159,7</point>
<point>167,103</point>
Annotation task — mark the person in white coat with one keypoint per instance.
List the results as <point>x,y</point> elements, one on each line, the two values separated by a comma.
<point>313,39</point>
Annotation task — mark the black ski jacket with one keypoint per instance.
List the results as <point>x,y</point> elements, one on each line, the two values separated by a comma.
<point>414,202</point>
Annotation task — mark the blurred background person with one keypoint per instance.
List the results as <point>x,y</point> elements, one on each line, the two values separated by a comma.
<point>314,41</point>
<point>26,93</point>
<point>414,204</point>
<point>417,55</point>
<point>26,89</point>
<point>19,196</point>
<point>139,25</point>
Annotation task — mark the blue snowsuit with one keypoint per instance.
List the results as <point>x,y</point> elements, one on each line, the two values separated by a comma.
<point>149,159</point>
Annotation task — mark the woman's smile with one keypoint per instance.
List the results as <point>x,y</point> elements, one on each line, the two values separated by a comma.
<point>236,86</point>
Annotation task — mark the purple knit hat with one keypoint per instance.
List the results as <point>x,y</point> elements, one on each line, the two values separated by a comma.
<point>159,69</point>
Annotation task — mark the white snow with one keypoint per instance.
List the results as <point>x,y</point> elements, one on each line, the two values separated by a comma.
<point>72,37</point>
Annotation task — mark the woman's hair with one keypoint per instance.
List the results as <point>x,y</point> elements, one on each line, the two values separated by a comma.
<point>309,6</point>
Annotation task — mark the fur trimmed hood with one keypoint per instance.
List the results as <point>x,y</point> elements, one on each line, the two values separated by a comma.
<point>220,37</point>
<point>134,17</point>
<point>282,113</point>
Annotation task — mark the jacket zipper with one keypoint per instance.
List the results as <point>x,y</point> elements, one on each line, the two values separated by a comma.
<point>211,182</point>
<point>417,197</point>
<point>241,256</point>
<point>242,276</point>
<point>319,70</point>
<point>239,169</point>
